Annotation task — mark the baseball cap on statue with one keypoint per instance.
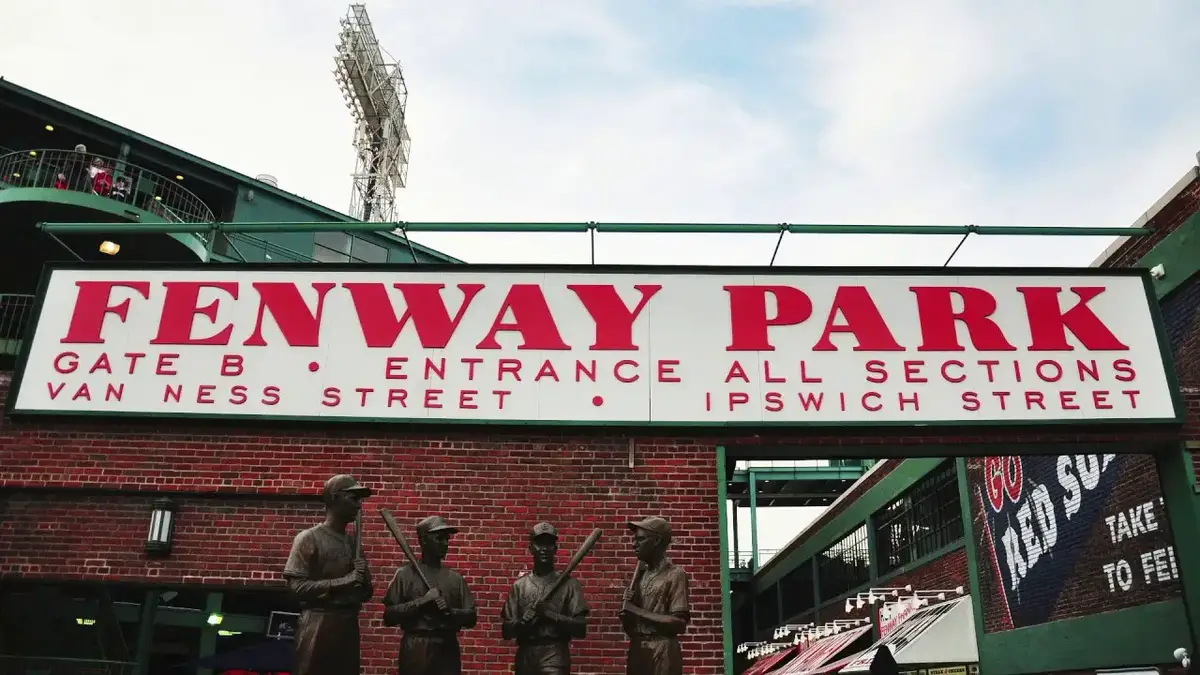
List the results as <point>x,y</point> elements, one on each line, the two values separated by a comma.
<point>344,483</point>
<point>435,524</point>
<point>543,530</point>
<point>653,525</point>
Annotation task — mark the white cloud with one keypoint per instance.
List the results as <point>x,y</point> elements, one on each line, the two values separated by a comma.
<point>558,110</point>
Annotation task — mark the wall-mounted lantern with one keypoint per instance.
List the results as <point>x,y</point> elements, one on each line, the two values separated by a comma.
<point>162,527</point>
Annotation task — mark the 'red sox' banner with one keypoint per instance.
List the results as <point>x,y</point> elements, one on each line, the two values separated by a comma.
<point>597,345</point>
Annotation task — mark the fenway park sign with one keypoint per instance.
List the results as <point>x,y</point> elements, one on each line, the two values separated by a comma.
<point>596,345</point>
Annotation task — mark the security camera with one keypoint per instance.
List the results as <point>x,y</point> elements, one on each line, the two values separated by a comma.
<point>1181,656</point>
<point>1158,271</point>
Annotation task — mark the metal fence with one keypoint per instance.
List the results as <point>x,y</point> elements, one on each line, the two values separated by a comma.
<point>115,179</point>
<point>741,559</point>
<point>16,309</point>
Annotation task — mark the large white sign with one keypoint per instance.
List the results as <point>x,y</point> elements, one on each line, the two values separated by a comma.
<point>633,346</point>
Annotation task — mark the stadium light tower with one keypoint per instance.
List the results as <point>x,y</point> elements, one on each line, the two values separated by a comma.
<point>373,86</point>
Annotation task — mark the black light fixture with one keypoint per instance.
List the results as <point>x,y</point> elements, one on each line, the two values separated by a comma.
<point>162,527</point>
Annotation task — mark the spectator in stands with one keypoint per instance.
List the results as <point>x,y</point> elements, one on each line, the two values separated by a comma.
<point>101,178</point>
<point>120,190</point>
<point>61,181</point>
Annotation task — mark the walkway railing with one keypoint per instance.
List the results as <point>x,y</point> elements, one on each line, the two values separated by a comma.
<point>16,309</point>
<point>741,559</point>
<point>115,179</point>
<point>53,665</point>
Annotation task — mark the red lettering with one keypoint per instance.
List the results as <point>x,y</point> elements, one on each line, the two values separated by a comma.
<point>300,326</point>
<point>238,395</point>
<point>1132,394</point>
<point>767,377</point>
<point>362,392</point>
<point>432,398</point>
<point>1067,400</point>
<point>1048,324</point>
<point>270,395</point>
<point>394,369</point>
<point>101,364</point>
<point>876,372</point>
<point>231,365</point>
<point>500,394</point>
<point>531,318</point>
<point>804,374</point>
<point>613,318</point>
<point>1033,398</point>
<point>398,396</point>
<point>112,393</point>
<point>946,375</point>
<point>1049,371</point>
<point>204,393</point>
<point>546,371</point>
<point>863,319</point>
<point>1100,400</point>
<point>173,391</point>
<point>466,399</point>
<point>939,321</point>
<point>471,363</point>
<point>774,401</point>
<point>165,363</point>
<point>331,397</point>
<point>912,371</point>
<point>582,371</point>
<point>1125,371</point>
<point>811,401</point>
<point>737,398</point>
<point>55,391</point>
<point>82,393</point>
<point>970,401</point>
<point>91,306</point>
<point>509,366</point>
<point>666,371</point>
<point>179,312</point>
<point>431,370</point>
<point>872,395</point>
<point>748,317</point>
<point>424,306</point>
<point>72,363</point>
<point>736,372</point>
<point>625,378</point>
<point>915,400</point>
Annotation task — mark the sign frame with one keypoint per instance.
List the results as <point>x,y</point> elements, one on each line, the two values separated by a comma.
<point>38,311</point>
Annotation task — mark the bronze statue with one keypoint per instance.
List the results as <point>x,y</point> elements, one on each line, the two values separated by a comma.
<point>431,603</point>
<point>655,612</point>
<point>542,614</point>
<point>327,573</point>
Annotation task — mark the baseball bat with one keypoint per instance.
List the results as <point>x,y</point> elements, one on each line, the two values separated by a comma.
<point>584,549</point>
<point>358,536</point>
<point>408,552</point>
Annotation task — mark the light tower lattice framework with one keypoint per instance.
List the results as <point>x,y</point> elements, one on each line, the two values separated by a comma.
<point>373,86</point>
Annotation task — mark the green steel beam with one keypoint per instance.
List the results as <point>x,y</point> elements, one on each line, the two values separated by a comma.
<point>816,473</point>
<point>580,227</point>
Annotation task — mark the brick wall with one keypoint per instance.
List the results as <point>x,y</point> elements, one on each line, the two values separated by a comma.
<point>1071,575</point>
<point>495,488</point>
<point>1166,221</point>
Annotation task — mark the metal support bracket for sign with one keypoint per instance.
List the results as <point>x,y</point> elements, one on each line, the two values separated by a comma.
<point>404,233</point>
<point>783,228</point>
<point>632,457</point>
<point>592,236</point>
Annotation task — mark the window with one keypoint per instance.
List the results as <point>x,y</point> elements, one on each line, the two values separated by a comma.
<point>797,590</point>
<point>845,565</point>
<point>926,518</point>
<point>365,251</point>
<point>331,247</point>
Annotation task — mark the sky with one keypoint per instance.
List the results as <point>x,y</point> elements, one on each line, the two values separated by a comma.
<point>737,111</point>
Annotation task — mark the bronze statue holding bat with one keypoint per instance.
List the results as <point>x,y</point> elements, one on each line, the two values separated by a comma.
<point>655,612</point>
<point>328,574</point>
<point>545,610</point>
<point>429,601</point>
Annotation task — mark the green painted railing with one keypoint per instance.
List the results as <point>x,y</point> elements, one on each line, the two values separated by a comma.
<point>16,309</point>
<point>741,559</point>
<point>127,183</point>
